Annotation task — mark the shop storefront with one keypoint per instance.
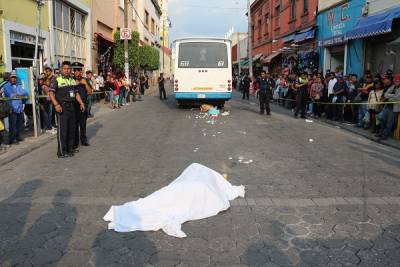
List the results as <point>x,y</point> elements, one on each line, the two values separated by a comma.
<point>336,53</point>
<point>20,45</point>
<point>381,35</point>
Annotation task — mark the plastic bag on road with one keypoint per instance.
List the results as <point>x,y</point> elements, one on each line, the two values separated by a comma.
<point>198,193</point>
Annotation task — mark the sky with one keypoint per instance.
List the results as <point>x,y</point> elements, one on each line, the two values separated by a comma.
<point>206,18</point>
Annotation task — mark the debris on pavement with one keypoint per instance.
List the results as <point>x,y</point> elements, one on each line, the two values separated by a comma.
<point>196,149</point>
<point>241,132</point>
<point>205,107</point>
<point>309,121</point>
<point>311,140</point>
<point>225,113</point>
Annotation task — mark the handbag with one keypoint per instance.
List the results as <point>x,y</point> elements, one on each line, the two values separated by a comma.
<point>5,109</point>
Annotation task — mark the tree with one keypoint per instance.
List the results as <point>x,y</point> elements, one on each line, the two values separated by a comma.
<point>149,57</point>
<point>133,51</point>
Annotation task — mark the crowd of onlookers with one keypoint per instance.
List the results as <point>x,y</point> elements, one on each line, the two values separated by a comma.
<point>371,102</point>
<point>16,113</point>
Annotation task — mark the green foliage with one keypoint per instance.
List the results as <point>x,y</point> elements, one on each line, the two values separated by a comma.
<point>133,51</point>
<point>149,57</point>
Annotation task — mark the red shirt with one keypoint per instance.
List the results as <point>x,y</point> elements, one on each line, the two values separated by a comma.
<point>116,91</point>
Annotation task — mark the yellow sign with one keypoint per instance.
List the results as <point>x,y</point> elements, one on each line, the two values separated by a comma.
<point>202,88</point>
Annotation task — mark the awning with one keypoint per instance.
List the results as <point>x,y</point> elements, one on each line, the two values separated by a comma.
<point>257,57</point>
<point>269,58</point>
<point>101,36</point>
<point>289,38</point>
<point>305,34</point>
<point>380,23</point>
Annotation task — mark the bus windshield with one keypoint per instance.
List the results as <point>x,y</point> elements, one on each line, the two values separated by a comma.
<point>203,55</point>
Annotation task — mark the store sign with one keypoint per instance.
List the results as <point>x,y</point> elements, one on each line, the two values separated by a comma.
<point>335,22</point>
<point>24,38</point>
<point>125,34</point>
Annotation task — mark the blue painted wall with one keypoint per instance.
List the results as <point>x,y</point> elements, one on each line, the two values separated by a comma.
<point>333,24</point>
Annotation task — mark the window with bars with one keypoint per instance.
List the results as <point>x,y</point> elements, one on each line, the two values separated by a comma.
<point>66,20</point>
<point>305,5</point>
<point>72,20</point>
<point>277,15</point>
<point>58,14</point>
<point>78,20</point>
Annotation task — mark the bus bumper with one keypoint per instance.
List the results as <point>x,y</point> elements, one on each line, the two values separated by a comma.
<point>203,95</point>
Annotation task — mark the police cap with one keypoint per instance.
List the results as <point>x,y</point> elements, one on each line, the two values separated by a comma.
<point>77,66</point>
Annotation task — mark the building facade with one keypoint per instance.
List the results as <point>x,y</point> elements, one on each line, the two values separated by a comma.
<point>283,34</point>
<point>18,34</point>
<point>149,15</point>
<point>379,30</point>
<point>70,31</point>
<point>104,27</point>
<point>336,53</point>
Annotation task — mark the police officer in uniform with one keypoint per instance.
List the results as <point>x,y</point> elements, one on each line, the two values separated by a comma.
<point>81,116</point>
<point>265,85</point>
<point>63,94</point>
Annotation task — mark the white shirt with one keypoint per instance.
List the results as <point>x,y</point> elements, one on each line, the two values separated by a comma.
<point>331,84</point>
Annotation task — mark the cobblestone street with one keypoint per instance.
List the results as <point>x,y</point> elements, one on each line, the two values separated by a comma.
<point>315,195</point>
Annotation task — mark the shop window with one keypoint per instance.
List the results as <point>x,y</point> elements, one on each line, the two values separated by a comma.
<point>293,9</point>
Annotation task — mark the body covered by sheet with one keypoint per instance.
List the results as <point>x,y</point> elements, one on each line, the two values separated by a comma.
<point>197,193</point>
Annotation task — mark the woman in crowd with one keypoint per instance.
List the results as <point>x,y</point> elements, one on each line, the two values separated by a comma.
<point>317,90</point>
<point>374,97</point>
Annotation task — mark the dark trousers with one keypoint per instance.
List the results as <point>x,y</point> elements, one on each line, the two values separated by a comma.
<point>66,128</point>
<point>163,94</point>
<point>264,102</point>
<point>80,126</point>
<point>316,108</point>
<point>246,93</point>
<point>16,121</point>
<point>338,109</point>
<point>44,116</point>
<point>301,104</point>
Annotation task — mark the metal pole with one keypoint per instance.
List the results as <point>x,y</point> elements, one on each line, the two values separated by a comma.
<point>250,48</point>
<point>239,56</point>
<point>163,41</point>
<point>126,42</point>
<point>36,115</point>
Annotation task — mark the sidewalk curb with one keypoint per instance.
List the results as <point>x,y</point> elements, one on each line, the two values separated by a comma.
<point>36,145</point>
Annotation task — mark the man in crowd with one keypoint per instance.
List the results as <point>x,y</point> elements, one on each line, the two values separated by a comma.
<point>161,87</point>
<point>49,105</point>
<point>331,84</point>
<point>16,119</point>
<point>301,95</point>
<point>265,85</point>
<point>89,80</point>
<point>389,113</point>
<point>339,90</point>
<point>63,94</point>
<point>246,87</point>
<point>81,116</point>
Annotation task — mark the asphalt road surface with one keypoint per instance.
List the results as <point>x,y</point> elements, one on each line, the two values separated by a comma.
<point>315,195</point>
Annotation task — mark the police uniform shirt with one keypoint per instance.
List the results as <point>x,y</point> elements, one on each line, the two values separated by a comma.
<point>64,88</point>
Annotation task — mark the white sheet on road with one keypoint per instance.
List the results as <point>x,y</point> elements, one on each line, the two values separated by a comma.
<point>198,193</point>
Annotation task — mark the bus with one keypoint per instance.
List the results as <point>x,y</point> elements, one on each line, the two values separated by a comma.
<point>203,71</point>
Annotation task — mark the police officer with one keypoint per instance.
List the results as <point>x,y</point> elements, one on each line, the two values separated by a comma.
<point>63,94</point>
<point>81,117</point>
<point>301,95</point>
<point>265,85</point>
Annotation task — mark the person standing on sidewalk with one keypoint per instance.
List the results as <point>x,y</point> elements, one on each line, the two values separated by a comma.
<point>390,113</point>
<point>161,87</point>
<point>246,87</point>
<point>81,116</point>
<point>339,90</point>
<point>89,80</point>
<point>16,118</point>
<point>301,95</point>
<point>363,97</point>
<point>265,85</point>
<point>63,94</point>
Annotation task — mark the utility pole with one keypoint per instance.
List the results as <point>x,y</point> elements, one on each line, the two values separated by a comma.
<point>239,56</point>
<point>35,64</point>
<point>163,45</point>
<point>250,48</point>
<point>126,41</point>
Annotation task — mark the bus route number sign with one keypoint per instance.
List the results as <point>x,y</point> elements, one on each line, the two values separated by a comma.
<point>125,34</point>
<point>184,64</point>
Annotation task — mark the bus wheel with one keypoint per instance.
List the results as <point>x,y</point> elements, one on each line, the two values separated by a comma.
<point>181,104</point>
